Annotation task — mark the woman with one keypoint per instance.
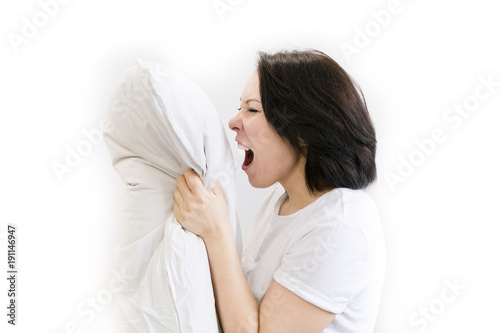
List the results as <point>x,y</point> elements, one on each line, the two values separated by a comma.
<point>314,259</point>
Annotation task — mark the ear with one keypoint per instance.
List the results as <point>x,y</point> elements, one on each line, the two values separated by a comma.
<point>302,144</point>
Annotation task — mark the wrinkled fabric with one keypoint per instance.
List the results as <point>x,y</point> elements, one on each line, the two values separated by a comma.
<point>159,125</point>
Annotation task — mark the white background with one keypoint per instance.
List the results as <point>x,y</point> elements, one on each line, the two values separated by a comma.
<point>441,222</point>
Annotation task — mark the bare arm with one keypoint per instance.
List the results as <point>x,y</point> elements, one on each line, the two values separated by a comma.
<point>205,214</point>
<point>280,310</point>
<point>236,305</point>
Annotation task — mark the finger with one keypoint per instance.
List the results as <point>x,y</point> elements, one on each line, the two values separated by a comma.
<point>216,189</point>
<point>178,196</point>
<point>194,181</point>
<point>176,211</point>
<point>183,187</point>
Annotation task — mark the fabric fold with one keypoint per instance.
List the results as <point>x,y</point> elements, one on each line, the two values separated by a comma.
<point>161,124</point>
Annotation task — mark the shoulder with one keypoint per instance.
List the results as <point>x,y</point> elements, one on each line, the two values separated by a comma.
<point>345,227</point>
<point>343,208</point>
<point>347,203</point>
<point>339,250</point>
<point>351,234</point>
<point>359,213</point>
<point>356,202</point>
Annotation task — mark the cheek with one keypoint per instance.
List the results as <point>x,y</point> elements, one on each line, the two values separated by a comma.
<point>277,157</point>
<point>264,136</point>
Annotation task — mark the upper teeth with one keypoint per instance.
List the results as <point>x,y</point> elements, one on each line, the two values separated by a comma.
<point>240,146</point>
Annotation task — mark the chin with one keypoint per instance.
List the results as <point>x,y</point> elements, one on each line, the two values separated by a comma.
<point>260,183</point>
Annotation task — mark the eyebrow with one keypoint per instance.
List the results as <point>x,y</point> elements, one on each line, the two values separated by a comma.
<point>252,99</point>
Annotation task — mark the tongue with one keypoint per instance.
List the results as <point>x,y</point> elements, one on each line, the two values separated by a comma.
<point>248,157</point>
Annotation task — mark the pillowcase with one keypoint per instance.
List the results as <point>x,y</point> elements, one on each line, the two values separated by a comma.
<point>161,124</point>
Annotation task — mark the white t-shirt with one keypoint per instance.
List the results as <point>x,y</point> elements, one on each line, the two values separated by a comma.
<point>330,253</point>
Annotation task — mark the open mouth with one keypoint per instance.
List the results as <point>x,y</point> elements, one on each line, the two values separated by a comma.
<point>248,156</point>
<point>248,159</point>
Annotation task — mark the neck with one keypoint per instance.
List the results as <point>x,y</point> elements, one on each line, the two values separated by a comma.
<point>298,194</point>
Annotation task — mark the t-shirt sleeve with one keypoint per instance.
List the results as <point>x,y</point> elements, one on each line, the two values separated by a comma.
<point>327,266</point>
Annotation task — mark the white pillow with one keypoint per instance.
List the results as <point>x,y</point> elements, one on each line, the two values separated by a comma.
<point>160,125</point>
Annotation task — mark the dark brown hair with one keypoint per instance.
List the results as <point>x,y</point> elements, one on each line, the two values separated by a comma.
<point>314,104</point>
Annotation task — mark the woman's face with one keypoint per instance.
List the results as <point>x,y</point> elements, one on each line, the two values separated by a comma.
<point>268,159</point>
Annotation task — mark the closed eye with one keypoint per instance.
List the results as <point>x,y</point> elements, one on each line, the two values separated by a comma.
<point>249,110</point>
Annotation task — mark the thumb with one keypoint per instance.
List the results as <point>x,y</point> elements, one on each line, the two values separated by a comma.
<point>216,189</point>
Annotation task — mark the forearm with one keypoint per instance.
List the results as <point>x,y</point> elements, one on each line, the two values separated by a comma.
<point>237,307</point>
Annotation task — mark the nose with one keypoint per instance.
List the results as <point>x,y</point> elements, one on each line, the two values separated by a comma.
<point>235,122</point>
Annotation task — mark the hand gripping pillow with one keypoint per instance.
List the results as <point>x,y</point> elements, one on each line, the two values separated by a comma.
<point>160,124</point>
